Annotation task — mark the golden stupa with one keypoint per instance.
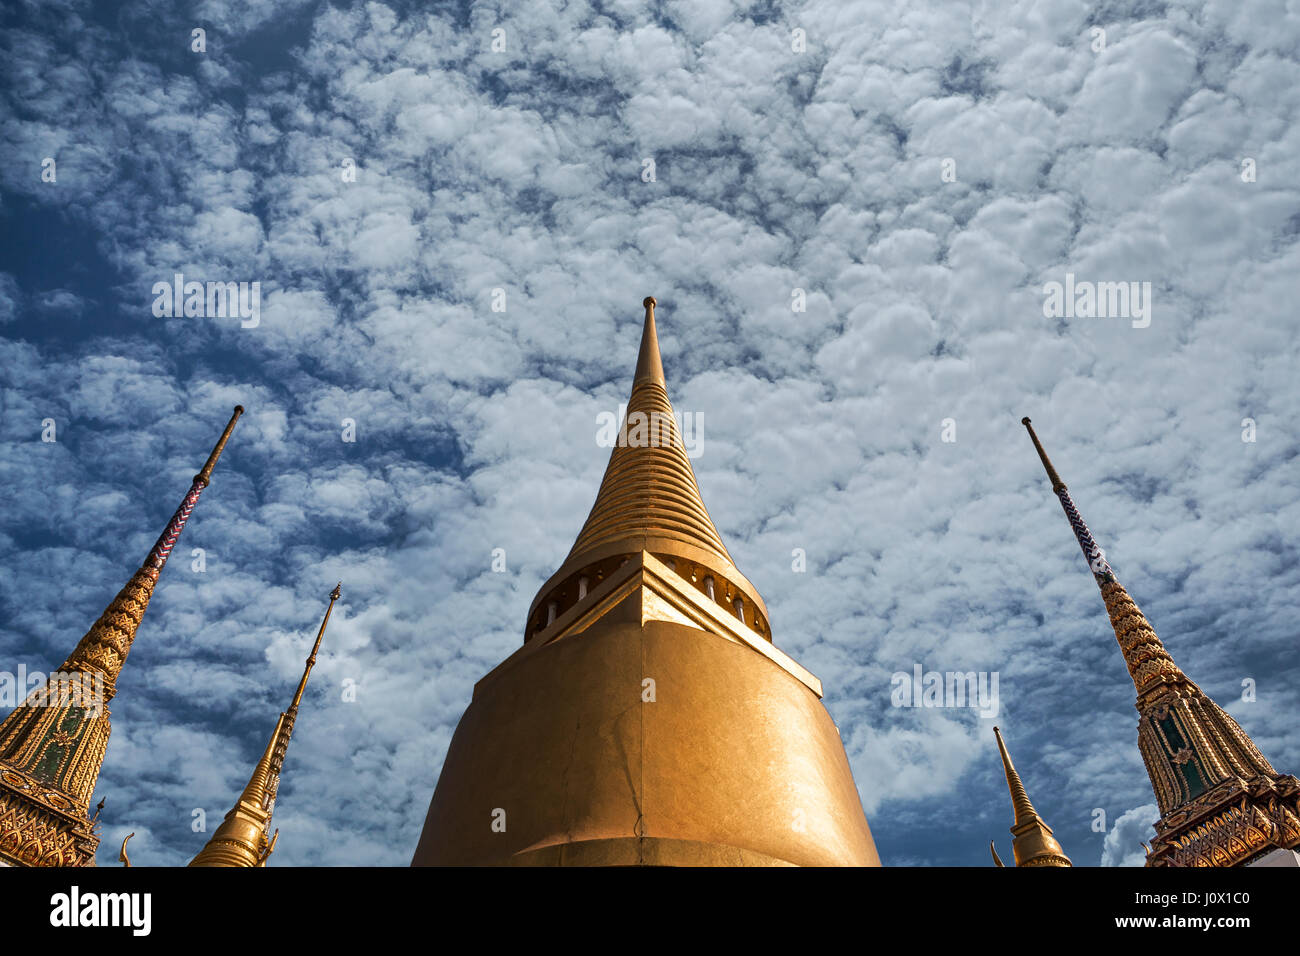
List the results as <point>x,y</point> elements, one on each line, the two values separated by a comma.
<point>647,719</point>
<point>52,745</point>
<point>1221,802</point>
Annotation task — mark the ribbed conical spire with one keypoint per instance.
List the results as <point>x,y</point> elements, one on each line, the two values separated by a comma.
<point>1201,763</point>
<point>1032,841</point>
<point>1019,798</point>
<point>244,837</point>
<point>56,739</point>
<point>649,501</point>
<point>649,489</point>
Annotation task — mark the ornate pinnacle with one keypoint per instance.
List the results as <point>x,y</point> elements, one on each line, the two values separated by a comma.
<point>104,647</point>
<point>1024,810</point>
<point>1057,484</point>
<point>311,658</point>
<point>205,473</point>
<point>162,548</point>
<point>1149,664</point>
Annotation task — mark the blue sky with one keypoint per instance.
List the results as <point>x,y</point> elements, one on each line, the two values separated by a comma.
<point>1114,158</point>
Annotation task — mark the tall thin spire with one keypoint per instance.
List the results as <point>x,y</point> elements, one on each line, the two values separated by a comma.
<point>1221,801</point>
<point>1149,664</point>
<point>244,837</point>
<point>104,647</point>
<point>1032,841</point>
<point>52,746</point>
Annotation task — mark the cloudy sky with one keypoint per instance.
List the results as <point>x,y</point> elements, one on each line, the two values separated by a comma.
<point>919,171</point>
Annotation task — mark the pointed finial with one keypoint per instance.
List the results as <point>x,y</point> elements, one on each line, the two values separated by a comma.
<point>1019,798</point>
<point>104,647</point>
<point>121,854</point>
<point>996,858</point>
<point>1148,661</point>
<point>311,658</point>
<point>205,473</point>
<point>1101,570</point>
<point>649,366</point>
<point>1057,484</point>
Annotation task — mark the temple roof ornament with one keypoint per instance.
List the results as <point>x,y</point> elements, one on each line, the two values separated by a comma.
<point>649,501</point>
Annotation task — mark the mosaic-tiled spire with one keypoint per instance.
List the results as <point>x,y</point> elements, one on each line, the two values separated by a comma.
<point>1221,801</point>
<point>52,746</point>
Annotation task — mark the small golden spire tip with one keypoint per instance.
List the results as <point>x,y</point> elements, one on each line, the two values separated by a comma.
<point>649,366</point>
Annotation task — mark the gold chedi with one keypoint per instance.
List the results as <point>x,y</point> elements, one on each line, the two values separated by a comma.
<point>648,719</point>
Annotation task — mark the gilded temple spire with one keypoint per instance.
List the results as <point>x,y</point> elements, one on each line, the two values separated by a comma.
<point>244,837</point>
<point>1032,842</point>
<point>104,647</point>
<point>649,502</point>
<point>649,487</point>
<point>52,746</point>
<point>1221,802</point>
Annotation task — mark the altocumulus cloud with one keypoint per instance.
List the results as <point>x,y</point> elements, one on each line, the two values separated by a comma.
<point>522,171</point>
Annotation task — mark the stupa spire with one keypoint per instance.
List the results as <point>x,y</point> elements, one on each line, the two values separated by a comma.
<point>52,746</point>
<point>649,488</point>
<point>244,837</point>
<point>1032,841</point>
<point>649,501</point>
<point>1221,801</point>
